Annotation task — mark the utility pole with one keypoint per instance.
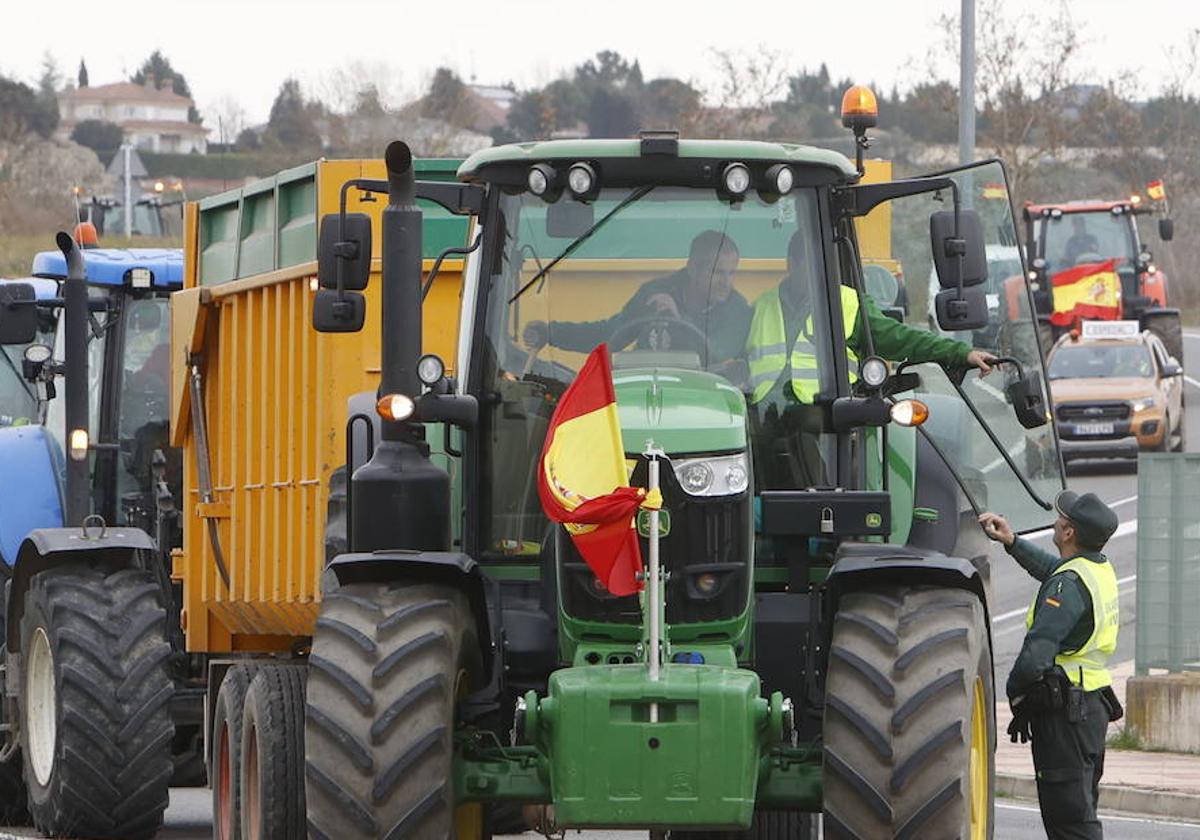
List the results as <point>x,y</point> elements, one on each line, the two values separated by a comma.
<point>966,86</point>
<point>127,151</point>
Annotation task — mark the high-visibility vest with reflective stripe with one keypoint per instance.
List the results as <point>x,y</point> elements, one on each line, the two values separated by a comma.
<point>767,352</point>
<point>1091,659</point>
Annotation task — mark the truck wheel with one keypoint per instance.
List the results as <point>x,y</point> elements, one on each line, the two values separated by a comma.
<point>97,731</point>
<point>767,825</point>
<point>909,728</point>
<point>226,759</point>
<point>273,754</point>
<point>388,663</point>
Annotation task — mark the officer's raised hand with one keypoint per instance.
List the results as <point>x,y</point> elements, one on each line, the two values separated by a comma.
<point>997,528</point>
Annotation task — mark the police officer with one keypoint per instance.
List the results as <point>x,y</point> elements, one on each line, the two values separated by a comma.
<point>784,372</point>
<point>1060,689</point>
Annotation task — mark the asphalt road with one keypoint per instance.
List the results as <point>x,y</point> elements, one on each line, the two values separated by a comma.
<point>190,814</point>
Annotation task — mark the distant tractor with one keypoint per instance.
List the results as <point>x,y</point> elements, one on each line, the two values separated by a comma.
<point>1062,236</point>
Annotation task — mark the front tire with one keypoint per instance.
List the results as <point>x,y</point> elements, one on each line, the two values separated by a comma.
<point>909,729</point>
<point>97,731</point>
<point>388,663</point>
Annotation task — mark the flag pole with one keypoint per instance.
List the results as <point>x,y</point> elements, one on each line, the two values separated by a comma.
<point>653,606</point>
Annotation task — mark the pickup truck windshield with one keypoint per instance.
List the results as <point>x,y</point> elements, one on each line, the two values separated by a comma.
<point>1100,361</point>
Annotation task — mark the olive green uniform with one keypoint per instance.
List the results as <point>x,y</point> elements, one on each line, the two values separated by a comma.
<point>1068,758</point>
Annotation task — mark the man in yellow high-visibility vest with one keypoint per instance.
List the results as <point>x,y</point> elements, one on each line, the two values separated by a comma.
<point>1060,688</point>
<point>787,349</point>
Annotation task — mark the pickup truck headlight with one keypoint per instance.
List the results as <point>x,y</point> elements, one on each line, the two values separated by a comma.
<point>1144,404</point>
<point>719,475</point>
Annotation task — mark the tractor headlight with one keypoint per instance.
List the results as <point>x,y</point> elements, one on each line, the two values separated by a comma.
<point>720,475</point>
<point>874,371</point>
<point>581,179</point>
<point>781,178</point>
<point>737,179</point>
<point>430,369</point>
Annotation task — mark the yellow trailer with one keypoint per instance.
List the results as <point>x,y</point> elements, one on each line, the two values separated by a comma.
<point>264,439</point>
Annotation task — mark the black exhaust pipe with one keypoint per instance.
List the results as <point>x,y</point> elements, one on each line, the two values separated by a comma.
<point>77,497</point>
<point>400,499</point>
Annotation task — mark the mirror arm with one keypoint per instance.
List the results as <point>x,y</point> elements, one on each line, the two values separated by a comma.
<point>957,383</point>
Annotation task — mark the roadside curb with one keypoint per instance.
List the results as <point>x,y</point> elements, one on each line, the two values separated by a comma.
<point>1160,803</point>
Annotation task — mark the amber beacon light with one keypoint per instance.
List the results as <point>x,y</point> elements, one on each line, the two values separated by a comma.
<point>860,110</point>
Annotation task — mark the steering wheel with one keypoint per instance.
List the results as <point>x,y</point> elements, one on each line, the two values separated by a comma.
<point>639,327</point>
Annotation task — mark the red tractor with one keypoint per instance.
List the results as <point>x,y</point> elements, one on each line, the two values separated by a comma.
<point>1062,237</point>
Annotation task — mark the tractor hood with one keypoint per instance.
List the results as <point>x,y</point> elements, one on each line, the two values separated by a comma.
<point>682,411</point>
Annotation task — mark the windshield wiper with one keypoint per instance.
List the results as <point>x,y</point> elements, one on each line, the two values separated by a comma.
<point>583,237</point>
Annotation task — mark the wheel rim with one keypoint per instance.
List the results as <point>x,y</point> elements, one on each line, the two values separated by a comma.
<point>40,720</point>
<point>979,763</point>
<point>252,801</point>
<point>224,771</point>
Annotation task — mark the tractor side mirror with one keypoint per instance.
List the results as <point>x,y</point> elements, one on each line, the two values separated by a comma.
<point>1166,229</point>
<point>964,309</point>
<point>352,250</point>
<point>567,219</point>
<point>18,313</point>
<point>1025,394</point>
<point>334,313</point>
<point>965,249</point>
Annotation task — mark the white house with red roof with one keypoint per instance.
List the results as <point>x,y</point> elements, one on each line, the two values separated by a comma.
<point>153,120</point>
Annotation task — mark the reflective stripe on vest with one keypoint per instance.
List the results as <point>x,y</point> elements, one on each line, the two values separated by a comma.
<point>1092,658</point>
<point>766,348</point>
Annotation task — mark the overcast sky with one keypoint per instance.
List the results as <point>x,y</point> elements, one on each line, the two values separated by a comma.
<point>242,49</point>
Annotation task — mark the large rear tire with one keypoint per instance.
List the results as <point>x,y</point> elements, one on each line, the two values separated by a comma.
<point>1170,330</point>
<point>909,728</point>
<point>388,663</point>
<point>96,725</point>
<point>226,758</point>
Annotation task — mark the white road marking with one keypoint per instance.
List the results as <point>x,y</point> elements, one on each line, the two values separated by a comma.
<point>1104,815</point>
<point>1191,381</point>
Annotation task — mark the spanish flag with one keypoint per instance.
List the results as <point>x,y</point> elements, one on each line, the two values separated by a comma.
<point>583,481</point>
<point>1157,190</point>
<point>1090,290</point>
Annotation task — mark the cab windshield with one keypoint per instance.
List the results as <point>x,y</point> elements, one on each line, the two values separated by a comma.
<point>1100,361</point>
<point>667,277</point>
<point>1075,238</point>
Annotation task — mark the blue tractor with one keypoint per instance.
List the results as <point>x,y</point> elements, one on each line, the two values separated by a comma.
<point>87,487</point>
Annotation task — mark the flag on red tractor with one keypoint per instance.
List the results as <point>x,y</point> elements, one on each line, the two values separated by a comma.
<point>1157,190</point>
<point>582,480</point>
<point>1089,290</point>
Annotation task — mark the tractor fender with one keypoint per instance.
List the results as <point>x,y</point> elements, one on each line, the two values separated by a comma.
<point>29,487</point>
<point>46,548</point>
<point>444,567</point>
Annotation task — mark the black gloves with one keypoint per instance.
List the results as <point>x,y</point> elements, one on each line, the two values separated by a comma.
<point>1021,726</point>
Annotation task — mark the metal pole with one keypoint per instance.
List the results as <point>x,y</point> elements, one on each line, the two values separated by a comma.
<point>654,589</point>
<point>127,150</point>
<point>966,86</point>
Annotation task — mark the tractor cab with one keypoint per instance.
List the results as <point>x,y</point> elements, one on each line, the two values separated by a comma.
<point>1064,238</point>
<point>127,336</point>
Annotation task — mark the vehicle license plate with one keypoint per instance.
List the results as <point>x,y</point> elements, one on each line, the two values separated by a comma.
<point>1093,428</point>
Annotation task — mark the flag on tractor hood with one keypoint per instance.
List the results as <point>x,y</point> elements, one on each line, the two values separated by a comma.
<point>1157,190</point>
<point>1089,290</point>
<point>582,479</point>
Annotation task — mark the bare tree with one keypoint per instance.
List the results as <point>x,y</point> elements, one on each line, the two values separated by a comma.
<point>1027,87</point>
<point>749,85</point>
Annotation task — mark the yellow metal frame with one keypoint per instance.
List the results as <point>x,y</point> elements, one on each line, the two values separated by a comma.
<point>275,396</point>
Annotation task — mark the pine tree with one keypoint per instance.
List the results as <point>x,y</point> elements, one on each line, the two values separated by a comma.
<point>83,74</point>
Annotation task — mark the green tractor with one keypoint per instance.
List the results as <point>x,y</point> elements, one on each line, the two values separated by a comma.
<point>813,635</point>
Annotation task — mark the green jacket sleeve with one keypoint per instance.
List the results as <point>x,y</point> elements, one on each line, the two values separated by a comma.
<point>897,342</point>
<point>1062,602</point>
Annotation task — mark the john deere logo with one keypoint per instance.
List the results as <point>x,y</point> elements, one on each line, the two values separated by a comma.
<point>874,520</point>
<point>664,522</point>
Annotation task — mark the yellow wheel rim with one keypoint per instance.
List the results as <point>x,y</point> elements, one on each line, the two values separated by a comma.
<point>979,775</point>
<point>468,821</point>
